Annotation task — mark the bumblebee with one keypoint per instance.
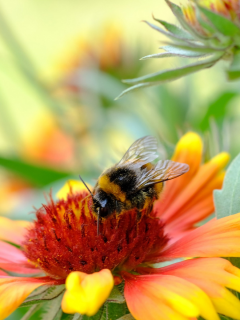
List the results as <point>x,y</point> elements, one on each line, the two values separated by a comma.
<point>134,182</point>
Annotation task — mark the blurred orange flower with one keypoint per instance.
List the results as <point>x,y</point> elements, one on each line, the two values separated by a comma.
<point>48,145</point>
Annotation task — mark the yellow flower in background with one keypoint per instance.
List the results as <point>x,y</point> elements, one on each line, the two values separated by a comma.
<point>109,53</point>
<point>228,8</point>
<point>105,53</point>
<point>62,244</point>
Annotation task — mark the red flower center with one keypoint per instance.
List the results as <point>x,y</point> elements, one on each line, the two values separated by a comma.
<point>64,238</point>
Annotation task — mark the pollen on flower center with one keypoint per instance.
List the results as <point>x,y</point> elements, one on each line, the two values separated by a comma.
<point>64,238</point>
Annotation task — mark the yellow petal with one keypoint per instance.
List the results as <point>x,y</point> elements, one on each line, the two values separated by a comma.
<point>13,291</point>
<point>72,186</point>
<point>191,142</point>
<point>188,150</point>
<point>227,304</point>
<point>221,160</point>
<point>86,293</point>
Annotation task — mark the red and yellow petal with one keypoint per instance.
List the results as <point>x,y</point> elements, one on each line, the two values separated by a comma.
<point>86,293</point>
<point>197,209</point>
<point>13,230</point>
<point>13,259</point>
<point>202,178</point>
<point>212,275</point>
<point>14,290</point>
<point>188,150</point>
<point>217,238</point>
<point>158,297</point>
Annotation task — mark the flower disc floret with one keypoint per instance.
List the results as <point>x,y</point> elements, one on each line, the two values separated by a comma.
<point>64,238</point>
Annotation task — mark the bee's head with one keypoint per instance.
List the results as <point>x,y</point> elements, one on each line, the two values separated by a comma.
<point>103,204</point>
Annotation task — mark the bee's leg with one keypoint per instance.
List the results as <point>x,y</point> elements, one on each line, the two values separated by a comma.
<point>98,217</point>
<point>139,215</point>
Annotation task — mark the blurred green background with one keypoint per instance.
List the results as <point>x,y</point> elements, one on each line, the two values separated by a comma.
<point>61,68</point>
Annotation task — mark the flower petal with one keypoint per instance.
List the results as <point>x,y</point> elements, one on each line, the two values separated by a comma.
<point>13,230</point>
<point>212,275</point>
<point>188,150</point>
<point>72,186</point>
<point>197,209</point>
<point>86,293</point>
<point>13,259</point>
<point>217,238</point>
<point>204,176</point>
<point>14,290</point>
<point>163,297</point>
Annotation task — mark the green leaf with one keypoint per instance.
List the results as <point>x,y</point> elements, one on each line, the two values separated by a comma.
<point>109,311</point>
<point>116,311</point>
<point>54,291</point>
<point>116,296</point>
<point>173,74</point>
<point>137,86</point>
<point>222,24</point>
<point>186,51</point>
<point>77,316</point>
<point>217,110</point>
<point>100,315</point>
<point>37,175</point>
<point>159,55</point>
<point>205,25</point>
<point>169,75</point>
<point>51,294</point>
<point>234,70</point>
<point>227,200</point>
<point>181,33</point>
<point>127,317</point>
<point>40,292</point>
<point>169,35</point>
<point>53,309</point>
<point>31,312</point>
<point>236,263</point>
<point>222,317</point>
<point>30,303</point>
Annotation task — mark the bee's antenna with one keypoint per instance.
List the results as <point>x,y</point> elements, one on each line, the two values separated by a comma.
<point>86,186</point>
<point>98,210</point>
<point>98,215</point>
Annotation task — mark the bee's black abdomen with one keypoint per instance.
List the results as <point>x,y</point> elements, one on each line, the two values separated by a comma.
<point>125,178</point>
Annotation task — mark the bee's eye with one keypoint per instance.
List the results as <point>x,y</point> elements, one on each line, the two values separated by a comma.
<point>104,211</point>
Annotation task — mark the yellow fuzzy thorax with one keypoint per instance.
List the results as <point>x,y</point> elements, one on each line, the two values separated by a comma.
<point>110,187</point>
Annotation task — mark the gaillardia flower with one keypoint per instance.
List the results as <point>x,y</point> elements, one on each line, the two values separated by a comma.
<point>62,248</point>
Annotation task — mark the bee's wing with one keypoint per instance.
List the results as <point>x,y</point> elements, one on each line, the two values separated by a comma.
<point>143,149</point>
<point>164,170</point>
